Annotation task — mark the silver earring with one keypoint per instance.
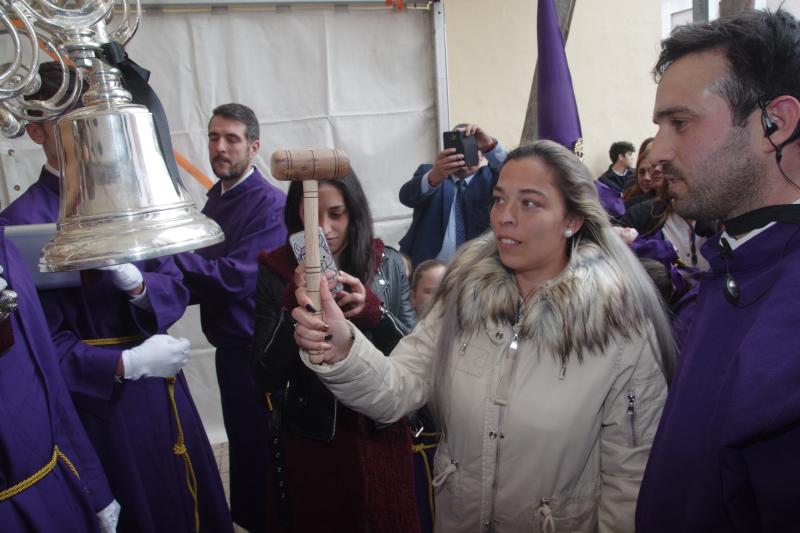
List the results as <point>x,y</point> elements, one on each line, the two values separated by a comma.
<point>568,233</point>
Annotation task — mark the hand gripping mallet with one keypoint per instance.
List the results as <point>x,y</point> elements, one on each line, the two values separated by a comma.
<point>309,166</point>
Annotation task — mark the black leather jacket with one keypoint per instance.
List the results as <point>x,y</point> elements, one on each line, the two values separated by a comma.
<point>301,403</point>
<point>393,288</point>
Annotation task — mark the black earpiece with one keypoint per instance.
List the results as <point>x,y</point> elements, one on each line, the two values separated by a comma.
<point>769,126</point>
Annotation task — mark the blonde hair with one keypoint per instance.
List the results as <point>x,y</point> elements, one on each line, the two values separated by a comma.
<point>577,187</point>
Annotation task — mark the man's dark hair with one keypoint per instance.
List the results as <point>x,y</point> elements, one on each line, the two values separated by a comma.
<point>660,274</point>
<point>240,113</point>
<point>51,75</point>
<point>358,257</point>
<point>762,49</point>
<point>620,148</point>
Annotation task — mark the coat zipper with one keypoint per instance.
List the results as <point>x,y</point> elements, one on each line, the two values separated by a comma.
<point>392,319</point>
<point>510,352</point>
<point>274,333</point>
<point>632,417</point>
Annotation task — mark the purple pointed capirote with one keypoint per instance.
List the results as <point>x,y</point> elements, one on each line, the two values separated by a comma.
<point>557,111</point>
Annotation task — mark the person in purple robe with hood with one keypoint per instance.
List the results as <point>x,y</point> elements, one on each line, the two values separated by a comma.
<point>725,456</point>
<point>124,373</point>
<point>50,477</point>
<point>222,279</point>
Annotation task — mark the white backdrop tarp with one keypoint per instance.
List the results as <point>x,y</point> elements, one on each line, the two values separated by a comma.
<point>361,80</point>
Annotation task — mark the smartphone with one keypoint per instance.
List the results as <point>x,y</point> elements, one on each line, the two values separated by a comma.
<point>297,241</point>
<point>464,144</point>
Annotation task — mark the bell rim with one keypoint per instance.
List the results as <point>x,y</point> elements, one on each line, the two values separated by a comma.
<point>86,244</point>
<point>109,257</point>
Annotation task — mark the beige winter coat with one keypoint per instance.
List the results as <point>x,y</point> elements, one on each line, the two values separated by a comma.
<point>532,444</point>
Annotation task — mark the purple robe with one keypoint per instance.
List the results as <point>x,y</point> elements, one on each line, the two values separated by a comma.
<point>611,200</point>
<point>37,413</point>
<point>655,247</point>
<point>130,423</point>
<point>222,279</point>
<point>726,455</point>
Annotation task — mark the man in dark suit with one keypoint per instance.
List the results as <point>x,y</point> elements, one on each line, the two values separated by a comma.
<point>450,200</point>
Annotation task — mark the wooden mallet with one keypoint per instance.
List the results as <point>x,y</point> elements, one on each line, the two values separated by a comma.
<point>309,166</point>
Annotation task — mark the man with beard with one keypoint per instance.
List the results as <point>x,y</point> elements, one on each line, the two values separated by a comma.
<point>725,456</point>
<point>222,279</point>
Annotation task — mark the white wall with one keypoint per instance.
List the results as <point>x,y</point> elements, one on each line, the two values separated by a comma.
<point>611,48</point>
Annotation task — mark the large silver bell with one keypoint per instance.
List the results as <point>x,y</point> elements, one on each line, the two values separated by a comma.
<point>118,201</point>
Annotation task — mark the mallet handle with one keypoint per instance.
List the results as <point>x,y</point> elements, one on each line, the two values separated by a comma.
<point>312,262</point>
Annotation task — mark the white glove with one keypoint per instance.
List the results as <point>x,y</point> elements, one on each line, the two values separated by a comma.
<point>126,277</point>
<point>108,518</point>
<point>160,356</point>
<point>3,282</point>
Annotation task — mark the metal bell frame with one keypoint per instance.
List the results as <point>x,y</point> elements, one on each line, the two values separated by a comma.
<point>118,202</point>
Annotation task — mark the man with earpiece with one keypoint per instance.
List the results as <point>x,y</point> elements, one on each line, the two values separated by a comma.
<point>725,456</point>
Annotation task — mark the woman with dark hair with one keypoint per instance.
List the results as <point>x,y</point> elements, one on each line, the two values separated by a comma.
<point>545,355</point>
<point>649,178</point>
<point>334,469</point>
<point>366,258</point>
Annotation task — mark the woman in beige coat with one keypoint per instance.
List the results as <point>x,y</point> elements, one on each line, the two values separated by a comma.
<point>545,354</point>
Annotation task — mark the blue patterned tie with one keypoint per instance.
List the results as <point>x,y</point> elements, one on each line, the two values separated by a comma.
<point>461,229</point>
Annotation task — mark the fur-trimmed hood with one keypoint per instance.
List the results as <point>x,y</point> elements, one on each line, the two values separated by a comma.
<point>577,312</point>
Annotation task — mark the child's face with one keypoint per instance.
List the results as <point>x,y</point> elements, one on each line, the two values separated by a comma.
<point>426,287</point>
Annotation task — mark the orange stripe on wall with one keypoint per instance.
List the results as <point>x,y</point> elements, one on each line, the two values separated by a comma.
<point>193,170</point>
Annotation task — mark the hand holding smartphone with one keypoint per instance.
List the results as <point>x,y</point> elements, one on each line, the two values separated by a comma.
<point>464,144</point>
